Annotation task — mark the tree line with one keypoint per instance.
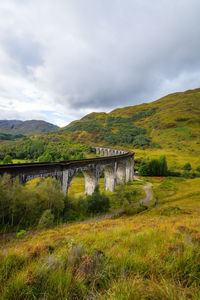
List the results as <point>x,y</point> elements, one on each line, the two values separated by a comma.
<point>42,203</point>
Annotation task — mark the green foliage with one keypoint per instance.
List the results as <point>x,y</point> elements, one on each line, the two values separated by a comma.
<point>154,167</point>
<point>141,140</point>
<point>98,202</point>
<point>23,206</point>
<point>46,219</point>
<point>21,233</point>
<point>143,169</point>
<point>7,159</point>
<point>46,157</point>
<point>163,166</point>
<point>123,136</point>
<point>42,149</point>
<point>133,210</point>
<point>187,167</point>
<point>8,136</point>
<point>198,169</point>
<point>9,264</point>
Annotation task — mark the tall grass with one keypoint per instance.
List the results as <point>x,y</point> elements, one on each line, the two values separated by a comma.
<point>152,255</point>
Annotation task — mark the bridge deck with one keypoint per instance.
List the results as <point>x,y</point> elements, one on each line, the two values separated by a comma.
<point>64,162</point>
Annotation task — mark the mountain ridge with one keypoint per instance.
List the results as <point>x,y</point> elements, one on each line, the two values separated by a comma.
<point>26,128</point>
<point>169,122</point>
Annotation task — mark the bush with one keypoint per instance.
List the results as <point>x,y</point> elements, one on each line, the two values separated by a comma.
<point>46,157</point>
<point>198,169</point>
<point>143,169</point>
<point>188,174</point>
<point>21,233</point>
<point>131,211</point>
<point>98,202</point>
<point>46,219</point>
<point>154,167</point>
<point>141,140</point>
<point>174,173</point>
<point>187,167</point>
<point>7,159</point>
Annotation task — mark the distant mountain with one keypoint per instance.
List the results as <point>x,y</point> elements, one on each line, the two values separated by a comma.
<point>17,128</point>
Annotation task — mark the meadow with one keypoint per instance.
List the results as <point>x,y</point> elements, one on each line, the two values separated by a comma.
<point>151,255</point>
<point>176,159</point>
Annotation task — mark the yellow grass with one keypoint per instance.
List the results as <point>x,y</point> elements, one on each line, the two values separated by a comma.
<point>153,255</point>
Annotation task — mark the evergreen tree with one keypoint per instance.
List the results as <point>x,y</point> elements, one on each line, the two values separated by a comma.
<point>187,167</point>
<point>143,169</point>
<point>163,166</point>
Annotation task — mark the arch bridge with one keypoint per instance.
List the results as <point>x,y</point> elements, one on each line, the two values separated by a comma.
<point>117,165</point>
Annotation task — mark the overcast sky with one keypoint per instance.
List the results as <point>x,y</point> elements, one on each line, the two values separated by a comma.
<point>61,59</point>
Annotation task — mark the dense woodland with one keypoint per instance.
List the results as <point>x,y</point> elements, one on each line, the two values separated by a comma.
<point>42,150</point>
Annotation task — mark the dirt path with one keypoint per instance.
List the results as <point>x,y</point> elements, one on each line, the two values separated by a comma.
<point>149,196</point>
<point>146,188</point>
<point>146,199</point>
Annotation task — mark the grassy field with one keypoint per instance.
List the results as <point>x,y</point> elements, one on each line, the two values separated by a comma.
<point>175,159</point>
<point>151,255</point>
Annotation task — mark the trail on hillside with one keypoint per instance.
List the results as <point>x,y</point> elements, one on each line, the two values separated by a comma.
<point>149,195</point>
<point>146,199</point>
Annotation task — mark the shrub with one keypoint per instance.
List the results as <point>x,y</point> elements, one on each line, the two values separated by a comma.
<point>187,167</point>
<point>21,233</point>
<point>46,157</point>
<point>141,140</point>
<point>98,202</point>
<point>155,167</point>
<point>198,169</point>
<point>46,219</point>
<point>131,211</point>
<point>143,169</point>
<point>7,159</point>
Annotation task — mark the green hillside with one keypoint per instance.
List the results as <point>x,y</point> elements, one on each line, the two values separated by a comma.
<point>170,125</point>
<point>151,255</point>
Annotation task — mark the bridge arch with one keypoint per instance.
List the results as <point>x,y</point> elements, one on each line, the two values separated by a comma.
<point>90,177</point>
<point>91,181</point>
<point>129,170</point>
<point>121,172</point>
<point>109,178</point>
<point>26,178</point>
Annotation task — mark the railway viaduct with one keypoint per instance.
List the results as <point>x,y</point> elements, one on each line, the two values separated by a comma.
<point>117,165</point>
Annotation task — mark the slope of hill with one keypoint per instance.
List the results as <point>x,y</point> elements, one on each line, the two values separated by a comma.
<point>151,255</point>
<point>31,127</point>
<point>168,125</point>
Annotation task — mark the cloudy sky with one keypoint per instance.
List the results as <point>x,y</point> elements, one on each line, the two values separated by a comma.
<point>60,60</point>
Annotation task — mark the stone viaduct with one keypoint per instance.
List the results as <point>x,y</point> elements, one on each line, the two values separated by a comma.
<point>117,165</point>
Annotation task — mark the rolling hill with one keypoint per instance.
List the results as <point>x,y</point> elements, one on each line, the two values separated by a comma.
<point>170,125</point>
<point>176,116</point>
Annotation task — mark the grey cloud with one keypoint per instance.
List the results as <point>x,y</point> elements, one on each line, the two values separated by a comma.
<point>98,55</point>
<point>23,49</point>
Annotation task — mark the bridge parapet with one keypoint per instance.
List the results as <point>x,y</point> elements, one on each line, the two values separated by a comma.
<point>117,165</point>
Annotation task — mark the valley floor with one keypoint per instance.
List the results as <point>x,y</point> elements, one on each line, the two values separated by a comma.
<point>151,255</point>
